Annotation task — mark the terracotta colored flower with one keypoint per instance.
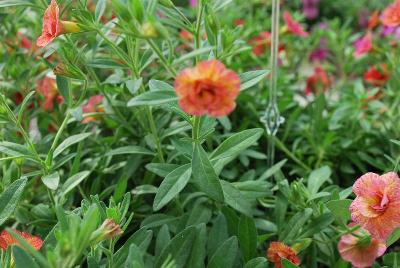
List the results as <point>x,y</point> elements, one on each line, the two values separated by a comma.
<point>391,15</point>
<point>185,36</point>
<point>377,75</point>
<point>360,249</point>
<point>376,207</point>
<point>373,20</point>
<point>6,240</point>
<point>363,45</point>
<point>47,88</point>
<point>261,43</point>
<point>319,82</point>
<point>278,251</point>
<point>209,88</point>
<point>293,26</point>
<point>53,26</point>
<point>93,106</point>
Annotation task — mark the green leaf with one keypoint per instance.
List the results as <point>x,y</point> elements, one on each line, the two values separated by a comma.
<point>204,175</point>
<point>392,259</point>
<point>251,78</point>
<point>134,85</point>
<point>73,181</point>
<point>179,248</point>
<point>235,199</point>
<point>340,209</point>
<point>295,224</point>
<point>225,255</point>
<point>23,259</point>
<point>63,88</point>
<point>24,104</point>
<point>129,150</point>
<point>193,54</point>
<point>196,259</point>
<point>393,238</point>
<point>218,234</point>
<point>157,85</point>
<point>51,181</point>
<point>235,144</point>
<point>10,3</point>
<point>171,186</point>
<point>317,178</point>
<point>247,234</point>
<point>135,257</point>
<point>14,149</point>
<point>10,198</point>
<point>288,264</point>
<point>69,142</point>
<point>272,170</point>
<point>259,262</point>
<point>153,98</point>
<point>100,8</point>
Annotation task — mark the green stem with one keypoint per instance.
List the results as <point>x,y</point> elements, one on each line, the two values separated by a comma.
<point>289,154</point>
<point>198,27</point>
<point>196,128</point>
<point>163,60</point>
<point>185,19</point>
<point>49,157</point>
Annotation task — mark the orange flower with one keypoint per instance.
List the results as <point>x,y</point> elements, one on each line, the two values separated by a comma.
<point>373,20</point>
<point>376,207</point>
<point>47,88</point>
<point>209,88</point>
<point>185,36</point>
<point>319,82</point>
<point>53,26</point>
<point>391,15</point>
<point>293,26</point>
<point>360,249</point>
<point>93,106</point>
<point>6,240</point>
<point>278,251</point>
<point>261,43</point>
<point>377,76</point>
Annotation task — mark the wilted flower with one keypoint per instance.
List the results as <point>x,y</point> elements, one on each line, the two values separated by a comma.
<point>376,207</point>
<point>363,45</point>
<point>47,88</point>
<point>391,15</point>
<point>360,249</point>
<point>209,88</point>
<point>53,26</point>
<point>293,26</point>
<point>377,75</point>
<point>6,240</point>
<point>278,251</point>
<point>93,106</point>
<point>318,82</point>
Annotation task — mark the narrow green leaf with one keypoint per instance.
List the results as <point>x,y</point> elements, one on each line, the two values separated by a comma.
<point>225,255</point>
<point>247,237</point>
<point>393,238</point>
<point>100,8</point>
<point>129,150</point>
<point>157,85</point>
<point>73,181</point>
<point>69,142</point>
<point>295,224</point>
<point>24,104</point>
<point>171,186</point>
<point>10,197</point>
<point>51,181</point>
<point>23,259</point>
<point>235,199</point>
<point>153,98</point>
<point>251,78</point>
<point>317,178</point>
<point>288,264</point>
<point>63,88</point>
<point>340,209</point>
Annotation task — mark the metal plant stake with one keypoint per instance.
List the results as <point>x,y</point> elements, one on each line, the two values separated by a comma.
<point>271,117</point>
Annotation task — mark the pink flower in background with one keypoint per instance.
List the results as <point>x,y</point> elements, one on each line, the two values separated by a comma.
<point>391,15</point>
<point>321,53</point>
<point>363,45</point>
<point>293,26</point>
<point>377,205</point>
<point>391,31</point>
<point>193,3</point>
<point>93,106</point>
<point>360,249</point>
<point>47,88</point>
<point>310,8</point>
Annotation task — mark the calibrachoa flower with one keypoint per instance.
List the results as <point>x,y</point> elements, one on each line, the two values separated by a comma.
<point>310,8</point>
<point>47,88</point>
<point>293,26</point>
<point>261,43</point>
<point>6,240</point>
<point>376,207</point>
<point>391,15</point>
<point>318,82</point>
<point>93,106</point>
<point>373,20</point>
<point>363,45</point>
<point>278,251</point>
<point>360,249</point>
<point>53,26</point>
<point>209,88</point>
<point>377,75</point>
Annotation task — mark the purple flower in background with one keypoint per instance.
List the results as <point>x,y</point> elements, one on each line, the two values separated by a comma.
<point>193,3</point>
<point>321,53</point>
<point>310,8</point>
<point>393,31</point>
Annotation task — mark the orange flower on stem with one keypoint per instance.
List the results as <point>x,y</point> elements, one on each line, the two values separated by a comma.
<point>373,20</point>
<point>209,88</point>
<point>293,26</point>
<point>6,240</point>
<point>377,75</point>
<point>376,207</point>
<point>391,15</point>
<point>360,249</point>
<point>47,88</point>
<point>93,106</point>
<point>53,26</point>
<point>278,251</point>
<point>319,82</point>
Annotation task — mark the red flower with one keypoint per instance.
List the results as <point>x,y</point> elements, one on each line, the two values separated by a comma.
<point>318,82</point>
<point>278,251</point>
<point>261,43</point>
<point>209,88</point>
<point>47,88</point>
<point>186,36</point>
<point>293,26</point>
<point>93,106</point>
<point>6,240</point>
<point>239,22</point>
<point>377,75</point>
<point>373,20</point>
<point>391,15</point>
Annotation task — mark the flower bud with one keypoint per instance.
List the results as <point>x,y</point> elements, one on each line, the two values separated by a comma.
<point>68,71</point>
<point>108,230</point>
<point>69,27</point>
<point>148,30</point>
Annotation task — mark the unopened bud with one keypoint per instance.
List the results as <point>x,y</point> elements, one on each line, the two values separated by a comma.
<point>70,27</point>
<point>148,30</point>
<point>108,230</point>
